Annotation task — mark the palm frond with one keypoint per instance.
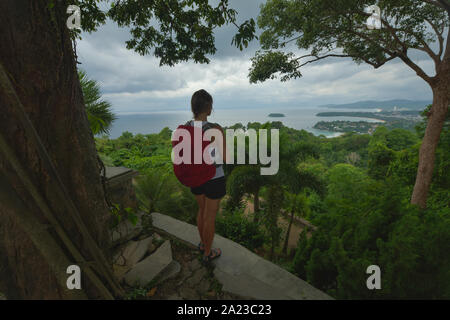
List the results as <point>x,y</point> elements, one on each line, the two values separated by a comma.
<point>99,111</point>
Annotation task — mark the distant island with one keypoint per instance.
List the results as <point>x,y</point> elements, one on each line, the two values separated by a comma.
<point>276,115</point>
<point>384,105</point>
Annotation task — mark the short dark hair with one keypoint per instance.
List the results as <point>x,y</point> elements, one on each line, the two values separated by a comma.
<point>201,102</point>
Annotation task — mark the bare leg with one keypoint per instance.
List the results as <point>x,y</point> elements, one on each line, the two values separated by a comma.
<point>200,215</point>
<point>211,208</point>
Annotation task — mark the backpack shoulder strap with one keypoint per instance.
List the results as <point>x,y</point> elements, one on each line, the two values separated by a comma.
<point>210,125</point>
<point>206,126</point>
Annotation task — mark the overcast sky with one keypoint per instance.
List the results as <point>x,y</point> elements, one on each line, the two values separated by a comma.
<point>134,83</point>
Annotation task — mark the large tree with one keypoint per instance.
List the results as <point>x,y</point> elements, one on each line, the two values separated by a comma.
<point>52,207</point>
<point>337,28</point>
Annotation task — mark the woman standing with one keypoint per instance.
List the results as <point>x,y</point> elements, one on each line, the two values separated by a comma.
<point>209,194</point>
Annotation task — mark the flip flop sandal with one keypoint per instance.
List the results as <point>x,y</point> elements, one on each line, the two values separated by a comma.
<point>214,254</point>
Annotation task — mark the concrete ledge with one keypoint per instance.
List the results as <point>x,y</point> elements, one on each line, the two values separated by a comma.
<point>241,271</point>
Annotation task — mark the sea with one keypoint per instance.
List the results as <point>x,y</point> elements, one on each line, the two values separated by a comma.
<point>297,118</point>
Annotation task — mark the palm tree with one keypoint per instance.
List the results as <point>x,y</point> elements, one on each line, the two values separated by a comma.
<point>245,179</point>
<point>296,180</point>
<point>296,205</point>
<point>152,191</point>
<point>98,111</point>
<point>274,196</point>
<point>158,190</point>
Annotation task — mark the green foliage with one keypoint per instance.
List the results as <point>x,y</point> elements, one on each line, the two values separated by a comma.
<point>245,179</point>
<point>159,191</point>
<point>235,226</point>
<point>274,196</point>
<point>346,184</point>
<point>399,139</point>
<point>337,150</point>
<point>98,111</point>
<point>361,210</point>
<point>266,65</point>
<point>379,228</point>
<point>138,152</point>
<point>386,147</point>
<point>297,204</point>
<point>139,293</point>
<point>157,188</point>
<point>316,205</point>
<point>119,213</point>
<point>380,157</point>
<point>246,33</point>
<point>404,167</point>
<point>92,16</point>
<point>174,31</point>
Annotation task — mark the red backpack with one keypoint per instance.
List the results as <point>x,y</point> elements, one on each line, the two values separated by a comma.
<point>190,174</point>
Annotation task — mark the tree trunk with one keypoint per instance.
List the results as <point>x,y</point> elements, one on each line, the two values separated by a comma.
<point>272,250</point>
<point>436,120</point>
<point>286,241</point>
<point>256,206</point>
<point>37,55</point>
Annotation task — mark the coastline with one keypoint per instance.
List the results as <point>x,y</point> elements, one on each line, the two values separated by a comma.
<point>374,120</point>
<point>149,122</point>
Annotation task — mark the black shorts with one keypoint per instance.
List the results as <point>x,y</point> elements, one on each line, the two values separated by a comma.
<point>212,189</point>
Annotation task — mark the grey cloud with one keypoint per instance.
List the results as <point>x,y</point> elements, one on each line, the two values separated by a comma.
<point>120,70</point>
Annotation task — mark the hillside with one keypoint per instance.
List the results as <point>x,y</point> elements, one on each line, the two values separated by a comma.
<point>385,105</point>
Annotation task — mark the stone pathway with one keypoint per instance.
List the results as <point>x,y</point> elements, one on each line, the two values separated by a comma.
<point>193,281</point>
<point>242,272</point>
<point>166,265</point>
<point>154,267</point>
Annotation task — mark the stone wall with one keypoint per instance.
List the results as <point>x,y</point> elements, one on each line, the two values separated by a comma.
<point>119,187</point>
